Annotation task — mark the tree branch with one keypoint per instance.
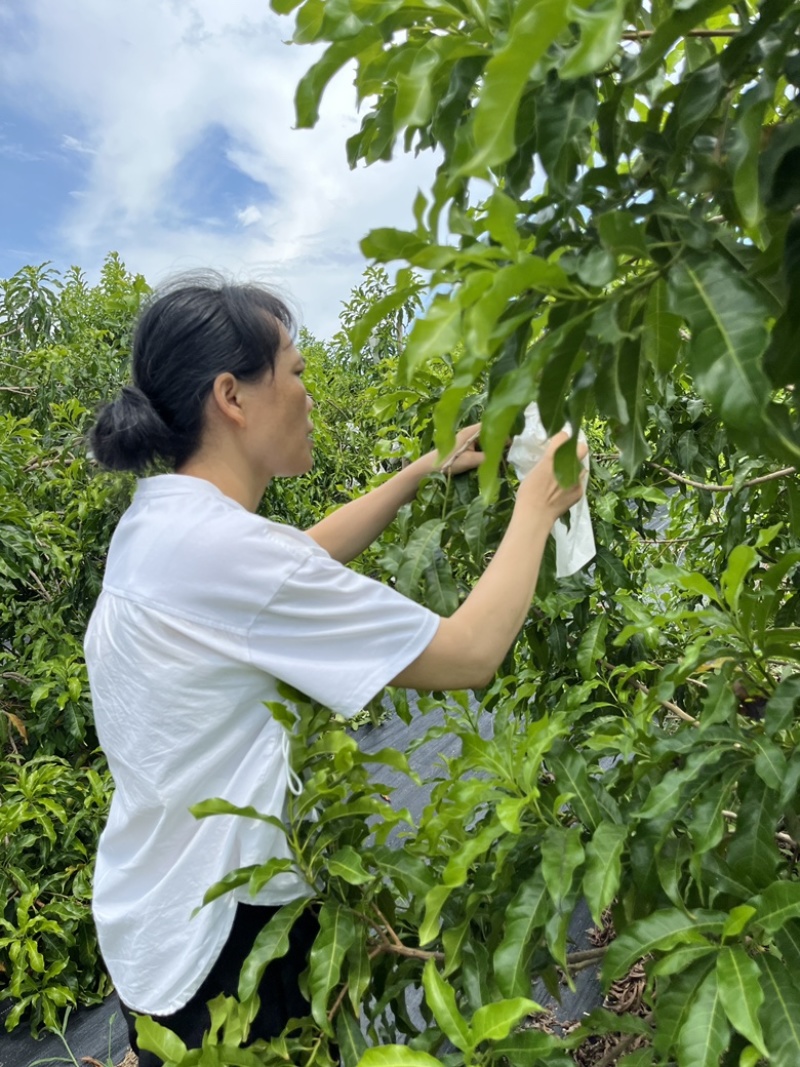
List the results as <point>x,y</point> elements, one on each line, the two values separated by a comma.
<point>712,487</point>
<point>617,1050</point>
<point>643,35</point>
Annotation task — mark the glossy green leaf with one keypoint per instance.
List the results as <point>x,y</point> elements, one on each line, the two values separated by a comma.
<point>658,932</point>
<point>441,591</point>
<point>337,933</point>
<point>661,340</point>
<point>780,1013</point>
<point>600,25</point>
<point>782,706</point>
<point>351,1042</point>
<point>534,25</point>
<point>593,647</point>
<point>675,1002</point>
<point>564,111</point>
<point>562,854</point>
<point>752,853</point>
<point>704,1035</point>
<point>493,1022</point>
<point>777,904</point>
<point>435,334</point>
<point>601,880</point>
<point>313,84</point>
<point>572,777</point>
<point>270,944</point>
<point>441,999</point>
<point>396,1056</point>
<point>729,337</point>
<point>741,993</point>
<point>151,1036</point>
<point>346,863</point>
<point>527,911</point>
<point>418,555</point>
<point>741,561</point>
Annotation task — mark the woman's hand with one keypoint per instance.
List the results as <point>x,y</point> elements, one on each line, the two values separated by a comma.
<point>541,488</point>
<point>466,456</point>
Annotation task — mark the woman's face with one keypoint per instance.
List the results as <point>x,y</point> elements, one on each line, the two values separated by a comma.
<point>278,416</point>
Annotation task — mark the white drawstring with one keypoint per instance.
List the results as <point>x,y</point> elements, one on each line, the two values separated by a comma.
<point>293,782</point>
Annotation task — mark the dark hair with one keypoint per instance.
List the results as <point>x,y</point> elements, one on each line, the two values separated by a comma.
<point>186,335</point>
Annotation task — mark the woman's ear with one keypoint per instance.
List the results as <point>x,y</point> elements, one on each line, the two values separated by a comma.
<point>226,398</point>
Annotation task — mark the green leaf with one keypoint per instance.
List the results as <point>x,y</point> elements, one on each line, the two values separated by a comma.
<point>153,1037</point>
<point>741,993</point>
<point>592,648</point>
<point>352,1044</point>
<point>437,333</point>
<point>782,706</point>
<point>337,933</point>
<point>600,25</point>
<point>346,863</point>
<point>501,220</point>
<point>704,1035</point>
<point>534,26</point>
<point>777,904</point>
<point>675,1002</point>
<point>418,554</point>
<point>270,944</point>
<point>738,920</point>
<point>564,111</point>
<point>493,1022</point>
<point>528,1048</point>
<point>770,762</point>
<point>414,102</point>
<point>441,591</point>
<point>745,149</point>
<point>528,911</point>
<point>312,85</point>
<point>562,854</point>
<point>729,337</point>
<point>441,999</point>
<point>572,777</point>
<point>658,932</point>
<point>752,854</point>
<point>435,900</point>
<point>601,880</point>
<point>359,970</point>
<point>623,235</point>
<point>397,1056</point>
<point>218,806</point>
<point>780,1013</point>
<point>741,561</point>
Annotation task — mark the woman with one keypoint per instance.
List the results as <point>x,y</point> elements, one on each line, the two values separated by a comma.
<point>206,606</point>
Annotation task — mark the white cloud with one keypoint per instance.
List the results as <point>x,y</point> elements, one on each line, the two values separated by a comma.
<point>145,81</point>
<point>249,215</point>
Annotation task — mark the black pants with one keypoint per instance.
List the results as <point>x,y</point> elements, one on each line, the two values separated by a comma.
<point>280,995</point>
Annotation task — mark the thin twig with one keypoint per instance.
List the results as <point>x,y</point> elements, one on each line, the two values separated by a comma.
<point>39,585</point>
<point>387,925</point>
<point>712,487</point>
<point>617,1050</point>
<point>586,954</point>
<point>448,463</point>
<point>643,35</point>
<point>22,390</point>
<point>670,705</point>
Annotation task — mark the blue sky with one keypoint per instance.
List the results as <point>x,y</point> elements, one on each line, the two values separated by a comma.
<point>163,130</point>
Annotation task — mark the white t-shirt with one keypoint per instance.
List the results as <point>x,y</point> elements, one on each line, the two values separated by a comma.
<point>204,606</point>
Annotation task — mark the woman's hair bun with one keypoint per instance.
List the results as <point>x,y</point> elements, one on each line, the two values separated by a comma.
<point>129,434</point>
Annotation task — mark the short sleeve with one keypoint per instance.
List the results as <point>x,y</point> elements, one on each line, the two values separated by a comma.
<point>336,635</point>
